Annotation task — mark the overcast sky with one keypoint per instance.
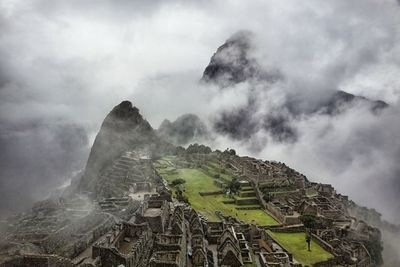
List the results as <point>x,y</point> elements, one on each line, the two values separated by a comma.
<point>65,64</point>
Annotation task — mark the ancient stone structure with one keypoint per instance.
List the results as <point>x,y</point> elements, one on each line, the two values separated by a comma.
<point>126,244</point>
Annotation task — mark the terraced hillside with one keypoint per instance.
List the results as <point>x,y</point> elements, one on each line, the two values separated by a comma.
<point>206,192</point>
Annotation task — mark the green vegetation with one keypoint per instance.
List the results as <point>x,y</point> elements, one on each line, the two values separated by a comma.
<point>231,152</point>
<point>196,148</point>
<point>311,193</point>
<point>246,188</point>
<point>295,244</point>
<point>197,181</point>
<point>375,248</point>
<point>177,182</point>
<point>233,186</point>
<point>309,221</point>
<point>216,170</point>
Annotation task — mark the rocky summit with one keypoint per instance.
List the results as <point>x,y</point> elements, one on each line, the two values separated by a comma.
<point>123,127</point>
<point>233,64</point>
<point>145,202</point>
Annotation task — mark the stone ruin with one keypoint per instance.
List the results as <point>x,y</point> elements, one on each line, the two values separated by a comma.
<point>132,220</point>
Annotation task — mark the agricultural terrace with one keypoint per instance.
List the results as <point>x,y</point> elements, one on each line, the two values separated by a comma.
<point>296,244</point>
<point>196,180</point>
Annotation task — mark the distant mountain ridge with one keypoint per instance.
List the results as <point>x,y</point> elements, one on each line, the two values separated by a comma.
<point>232,64</point>
<point>183,130</point>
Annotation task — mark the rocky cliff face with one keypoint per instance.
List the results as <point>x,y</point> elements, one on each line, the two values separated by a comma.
<point>232,63</point>
<point>123,128</point>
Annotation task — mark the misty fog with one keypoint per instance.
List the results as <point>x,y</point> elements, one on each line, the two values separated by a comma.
<point>65,64</point>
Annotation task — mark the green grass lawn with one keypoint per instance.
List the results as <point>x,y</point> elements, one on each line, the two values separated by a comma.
<point>214,203</point>
<point>217,168</point>
<point>197,181</point>
<point>296,244</point>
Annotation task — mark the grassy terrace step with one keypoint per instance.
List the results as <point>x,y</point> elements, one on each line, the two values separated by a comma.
<point>246,188</point>
<point>296,244</point>
<point>248,207</point>
<point>228,201</point>
<point>247,194</point>
<point>213,172</point>
<point>246,201</point>
<point>244,198</point>
<point>284,192</point>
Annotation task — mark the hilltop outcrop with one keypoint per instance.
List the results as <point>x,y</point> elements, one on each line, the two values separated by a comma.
<point>123,128</point>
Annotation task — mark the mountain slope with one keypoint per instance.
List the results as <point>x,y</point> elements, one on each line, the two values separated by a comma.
<point>123,128</point>
<point>183,130</point>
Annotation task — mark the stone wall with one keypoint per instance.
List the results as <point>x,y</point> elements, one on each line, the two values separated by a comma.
<point>328,263</point>
<point>259,196</point>
<point>249,208</point>
<point>76,237</point>
<point>247,194</point>
<point>275,212</point>
<point>159,222</point>
<point>284,229</point>
<point>38,261</point>
<point>246,201</point>
<point>290,220</point>
<point>107,248</point>
<point>109,256</point>
<point>211,193</point>
<point>322,243</point>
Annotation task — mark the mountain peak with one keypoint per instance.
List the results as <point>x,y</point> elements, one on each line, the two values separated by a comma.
<point>126,115</point>
<point>123,128</point>
<point>231,64</point>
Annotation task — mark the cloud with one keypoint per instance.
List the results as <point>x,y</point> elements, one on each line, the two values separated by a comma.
<point>37,157</point>
<point>65,64</point>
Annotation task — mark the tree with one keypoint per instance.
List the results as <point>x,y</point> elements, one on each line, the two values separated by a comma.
<point>231,152</point>
<point>180,196</point>
<point>375,248</point>
<point>309,221</point>
<point>179,150</point>
<point>177,182</point>
<point>198,149</point>
<point>233,186</point>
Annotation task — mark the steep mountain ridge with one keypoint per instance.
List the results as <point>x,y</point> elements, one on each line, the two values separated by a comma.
<point>123,128</point>
<point>233,64</point>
